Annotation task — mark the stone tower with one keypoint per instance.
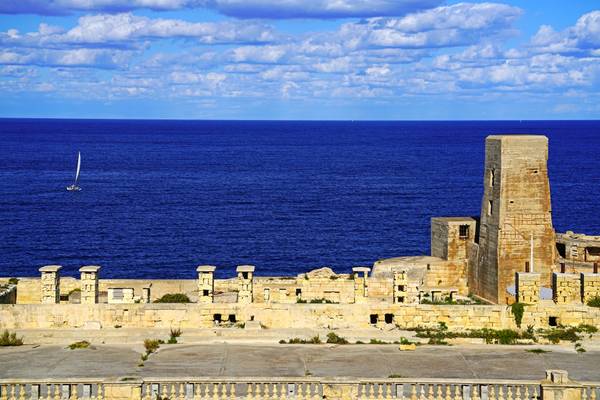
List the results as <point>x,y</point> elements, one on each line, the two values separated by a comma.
<point>515,208</point>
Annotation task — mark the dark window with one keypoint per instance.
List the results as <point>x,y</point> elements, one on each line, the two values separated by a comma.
<point>552,321</point>
<point>217,318</point>
<point>389,318</point>
<point>373,318</point>
<point>401,288</point>
<point>401,299</point>
<point>232,318</point>
<point>205,292</point>
<point>561,249</point>
<point>490,207</point>
<point>245,275</point>
<point>298,292</point>
<point>463,231</point>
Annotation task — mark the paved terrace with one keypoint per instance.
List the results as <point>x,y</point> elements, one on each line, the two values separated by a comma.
<point>238,360</point>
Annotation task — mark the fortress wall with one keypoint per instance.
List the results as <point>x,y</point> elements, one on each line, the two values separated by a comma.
<point>282,316</point>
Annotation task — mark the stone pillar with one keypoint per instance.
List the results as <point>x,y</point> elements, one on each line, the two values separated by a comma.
<point>89,284</point>
<point>558,386</point>
<point>590,286</point>
<point>528,286</point>
<point>566,288</point>
<point>50,284</point>
<point>361,288</point>
<point>206,283</point>
<point>400,287</point>
<point>245,274</point>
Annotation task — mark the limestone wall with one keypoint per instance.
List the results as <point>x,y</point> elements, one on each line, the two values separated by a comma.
<point>330,316</point>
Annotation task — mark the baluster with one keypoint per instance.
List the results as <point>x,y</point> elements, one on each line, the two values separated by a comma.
<point>196,393</point>
<point>413,391</point>
<point>430,392</point>
<point>492,392</point>
<point>258,391</point>
<point>163,390</point>
<point>509,393</point>
<point>249,391</point>
<point>9,391</point>
<point>500,392</point>
<point>100,390</point>
<point>475,392</point>
<point>593,393</point>
<point>517,392</point>
<point>439,393</point>
<point>370,391</point>
<point>223,391</point>
<point>215,391</point>
<point>22,390</point>
<point>448,393</point>
<point>379,391</point>
<point>536,392</point>
<point>232,393</point>
<point>584,395</point>
<point>359,394</point>
<point>457,392</point>
<point>526,395</point>
<point>73,389</point>
<point>316,392</point>
<point>388,391</point>
<point>205,391</point>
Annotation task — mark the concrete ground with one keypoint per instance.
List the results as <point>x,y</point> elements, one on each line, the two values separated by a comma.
<point>242,360</point>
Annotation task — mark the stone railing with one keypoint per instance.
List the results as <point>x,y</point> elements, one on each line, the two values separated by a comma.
<point>556,386</point>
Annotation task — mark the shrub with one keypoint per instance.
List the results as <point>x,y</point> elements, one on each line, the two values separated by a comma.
<point>359,342</point>
<point>377,341</point>
<point>335,339</point>
<point>13,281</point>
<point>517,310</point>
<point>83,344</point>
<point>594,301</point>
<point>321,301</point>
<point>174,298</point>
<point>172,340</point>
<point>585,328</point>
<point>10,339</point>
<point>282,341</point>
<point>300,301</point>
<point>151,345</point>
<point>507,336</point>
<point>392,376</point>
<point>537,351</point>
<point>312,340</point>
<point>558,334</point>
<point>175,332</point>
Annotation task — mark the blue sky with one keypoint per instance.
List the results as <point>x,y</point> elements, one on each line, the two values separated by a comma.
<point>300,59</point>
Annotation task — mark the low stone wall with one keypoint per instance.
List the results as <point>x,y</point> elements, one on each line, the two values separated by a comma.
<point>282,316</point>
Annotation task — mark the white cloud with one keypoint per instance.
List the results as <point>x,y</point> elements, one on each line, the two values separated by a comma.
<point>127,29</point>
<point>235,8</point>
<point>582,38</point>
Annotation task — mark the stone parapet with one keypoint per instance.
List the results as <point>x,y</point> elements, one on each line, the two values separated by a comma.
<point>528,285</point>
<point>566,288</point>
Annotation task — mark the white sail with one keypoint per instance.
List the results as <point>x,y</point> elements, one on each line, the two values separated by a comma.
<point>78,166</point>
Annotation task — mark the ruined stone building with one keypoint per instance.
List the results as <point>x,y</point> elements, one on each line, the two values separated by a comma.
<point>510,253</point>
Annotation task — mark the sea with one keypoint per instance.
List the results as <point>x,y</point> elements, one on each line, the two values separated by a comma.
<point>161,197</point>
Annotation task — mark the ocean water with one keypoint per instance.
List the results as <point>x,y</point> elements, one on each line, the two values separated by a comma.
<point>161,197</point>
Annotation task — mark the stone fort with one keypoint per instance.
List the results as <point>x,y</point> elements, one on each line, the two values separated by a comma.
<point>509,253</point>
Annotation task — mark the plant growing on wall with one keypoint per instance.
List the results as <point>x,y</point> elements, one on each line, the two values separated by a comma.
<point>594,302</point>
<point>517,310</point>
<point>174,298</point>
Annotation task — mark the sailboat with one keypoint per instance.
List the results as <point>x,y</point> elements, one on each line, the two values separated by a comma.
<point>74,187</point>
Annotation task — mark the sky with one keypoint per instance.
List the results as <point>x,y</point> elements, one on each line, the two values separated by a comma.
<point>300,59</point>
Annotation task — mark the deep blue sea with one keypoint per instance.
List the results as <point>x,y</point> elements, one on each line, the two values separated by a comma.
<point>161,197</point>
